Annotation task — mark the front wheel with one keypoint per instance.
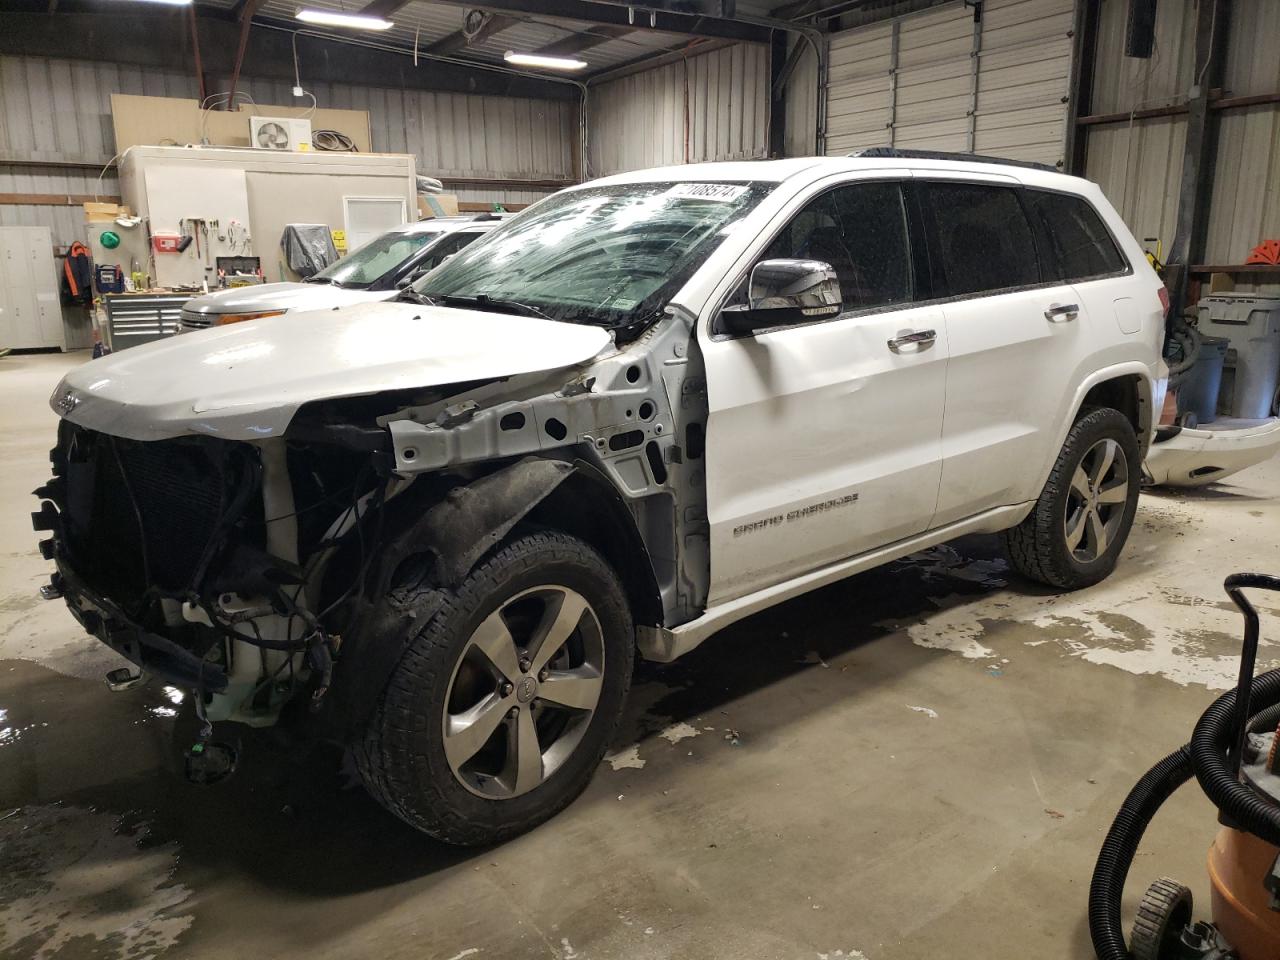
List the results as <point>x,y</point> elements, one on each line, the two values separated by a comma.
<point>506,699</point>
<point>1074,535</point>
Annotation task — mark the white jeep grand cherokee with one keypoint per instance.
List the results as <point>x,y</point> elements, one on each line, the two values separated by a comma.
<point>440,528</point>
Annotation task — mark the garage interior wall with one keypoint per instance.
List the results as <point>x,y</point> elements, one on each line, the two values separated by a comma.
<point>800,99</point>
<point>639,120</point>
<point>942,79</point>
<point>1138,162</point>
<point>58,112</point>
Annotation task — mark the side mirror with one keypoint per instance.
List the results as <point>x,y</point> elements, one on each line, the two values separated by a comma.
<point>783,292</point>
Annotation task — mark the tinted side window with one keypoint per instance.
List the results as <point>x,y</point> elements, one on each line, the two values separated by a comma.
<point>861,230</point>
<point>1079,244</point>
<point>983,238</point>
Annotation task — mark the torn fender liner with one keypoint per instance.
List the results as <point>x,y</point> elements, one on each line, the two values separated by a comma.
<point>472,519</point>
<point>457,531</point>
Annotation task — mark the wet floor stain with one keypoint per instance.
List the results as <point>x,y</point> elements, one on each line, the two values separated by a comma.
<point>84,882</point>
<point>294,834</point>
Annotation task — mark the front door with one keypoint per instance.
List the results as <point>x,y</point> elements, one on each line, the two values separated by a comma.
<point>824,440</point>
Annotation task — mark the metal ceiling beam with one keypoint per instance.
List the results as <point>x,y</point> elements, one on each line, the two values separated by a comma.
<point>160,38</point>
<point>382,8</point>
<point>246,11</point>
<point>583,41</point>
<point>458,40</point>
<point>617,15</point>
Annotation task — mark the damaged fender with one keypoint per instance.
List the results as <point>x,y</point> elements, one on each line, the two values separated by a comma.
<point>455,532</point>
<point>472,519</point>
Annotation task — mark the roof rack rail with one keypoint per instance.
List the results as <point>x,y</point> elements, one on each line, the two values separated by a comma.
<point>895,152</point>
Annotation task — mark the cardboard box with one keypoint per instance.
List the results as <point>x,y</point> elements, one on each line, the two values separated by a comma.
<point>437,205</point>
<point>96,212</point>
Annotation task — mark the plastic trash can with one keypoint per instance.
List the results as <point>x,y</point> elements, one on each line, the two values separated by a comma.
<point>1252,324</point>
<point>1198,391</point>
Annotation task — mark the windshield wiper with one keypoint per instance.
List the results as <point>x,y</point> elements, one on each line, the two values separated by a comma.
<point>318,279</point>
<point>410,295</point>
<point>484,302</point>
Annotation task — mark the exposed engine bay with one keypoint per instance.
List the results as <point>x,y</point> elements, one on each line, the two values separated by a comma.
<point>255,573</point>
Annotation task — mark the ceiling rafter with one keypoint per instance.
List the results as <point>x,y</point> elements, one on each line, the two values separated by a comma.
<point>601,14</point>
<point>578,42</point>
<point>494,24</point>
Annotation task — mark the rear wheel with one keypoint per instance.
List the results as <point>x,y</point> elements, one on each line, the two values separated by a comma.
<point>1074,535</point>
<point>507,698</point>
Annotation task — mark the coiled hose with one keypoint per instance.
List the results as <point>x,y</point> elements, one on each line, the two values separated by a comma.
<point>1206,756</point>
<point>1184,344</point>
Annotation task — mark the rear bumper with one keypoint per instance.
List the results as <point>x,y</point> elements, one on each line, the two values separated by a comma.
<point>1194,457</point>
<point>149,651</point>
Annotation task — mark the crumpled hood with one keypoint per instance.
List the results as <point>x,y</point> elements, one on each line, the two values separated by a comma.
<point>247,380</point>
<point>283,296</point>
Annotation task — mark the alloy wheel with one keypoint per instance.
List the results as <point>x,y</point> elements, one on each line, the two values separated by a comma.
<point>523,692</point>
<point>1096,500</point>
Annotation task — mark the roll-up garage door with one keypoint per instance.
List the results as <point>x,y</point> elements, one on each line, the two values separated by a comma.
<point>941,80</point>
<point>859,88</point>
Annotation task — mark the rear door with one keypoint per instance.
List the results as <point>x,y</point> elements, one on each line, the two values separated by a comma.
<point>824,439</point>
<point>1017,339</point>
<point>1082,252</point>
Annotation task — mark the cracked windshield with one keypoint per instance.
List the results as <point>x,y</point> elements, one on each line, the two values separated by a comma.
<point>612,255</point>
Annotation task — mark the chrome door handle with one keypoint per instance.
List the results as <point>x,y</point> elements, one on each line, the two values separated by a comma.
<point>922,338</point>
<point>1062,313</point>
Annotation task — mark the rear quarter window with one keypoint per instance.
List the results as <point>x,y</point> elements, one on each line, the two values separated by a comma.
<point>1079,245</point>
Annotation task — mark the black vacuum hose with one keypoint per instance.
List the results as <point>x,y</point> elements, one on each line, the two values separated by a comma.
<point>1206,758</point>
<point>1213,735</point>
<point>1107,886</point>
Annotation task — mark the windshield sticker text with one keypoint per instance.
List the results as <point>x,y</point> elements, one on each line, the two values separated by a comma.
<point>720,192</point>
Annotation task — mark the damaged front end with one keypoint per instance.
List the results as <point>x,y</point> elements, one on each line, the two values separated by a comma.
<point>195,558</point>
<point>260,574</point>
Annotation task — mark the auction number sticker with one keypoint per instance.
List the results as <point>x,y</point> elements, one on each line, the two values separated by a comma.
<point>720,192</point>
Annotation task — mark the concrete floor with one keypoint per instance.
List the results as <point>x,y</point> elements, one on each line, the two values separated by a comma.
<point>918,763</point>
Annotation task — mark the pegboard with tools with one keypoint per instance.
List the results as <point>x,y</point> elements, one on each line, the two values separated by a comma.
<point>197,213</point>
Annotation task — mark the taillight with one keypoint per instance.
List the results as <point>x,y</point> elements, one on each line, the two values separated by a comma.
<point>1164,300</point>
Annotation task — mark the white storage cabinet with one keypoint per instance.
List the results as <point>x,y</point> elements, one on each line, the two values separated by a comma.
<point>30,315</point>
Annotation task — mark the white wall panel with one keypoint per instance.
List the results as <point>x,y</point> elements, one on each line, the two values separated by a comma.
<point>711,106</point>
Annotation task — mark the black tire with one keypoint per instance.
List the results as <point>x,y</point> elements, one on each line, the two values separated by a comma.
<point>1037,547</point>
<point>402,758</point>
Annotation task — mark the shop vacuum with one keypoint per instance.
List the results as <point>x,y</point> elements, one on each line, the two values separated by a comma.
<point>1234,754</point>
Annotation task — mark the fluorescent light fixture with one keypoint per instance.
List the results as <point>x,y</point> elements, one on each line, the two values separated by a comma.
<point>549,63</point>
<point>354,20</point>
<point>172,3</point>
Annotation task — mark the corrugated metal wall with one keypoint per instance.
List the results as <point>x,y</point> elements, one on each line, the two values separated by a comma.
<point>59,111</point>
<point>455,134</point>
<point>639,120</point>
<point>939,80</point>
<point>800,134</point>
<point>1139,163</point>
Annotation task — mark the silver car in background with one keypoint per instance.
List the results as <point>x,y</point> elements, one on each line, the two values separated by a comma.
<point>375,271</point>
